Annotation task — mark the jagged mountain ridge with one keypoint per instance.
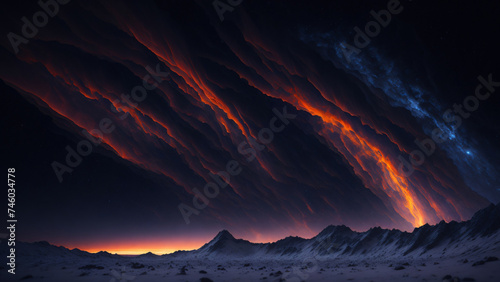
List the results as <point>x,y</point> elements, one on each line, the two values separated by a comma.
<point>340,240</point>
<point>333,241</point>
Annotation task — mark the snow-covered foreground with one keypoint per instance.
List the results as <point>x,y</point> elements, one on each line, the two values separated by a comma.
<point>455,251</point>
<point>160,269</point>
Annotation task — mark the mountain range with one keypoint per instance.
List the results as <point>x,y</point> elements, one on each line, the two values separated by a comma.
<point>334,241</point>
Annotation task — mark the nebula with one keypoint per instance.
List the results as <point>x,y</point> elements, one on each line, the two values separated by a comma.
<point>336,162</point>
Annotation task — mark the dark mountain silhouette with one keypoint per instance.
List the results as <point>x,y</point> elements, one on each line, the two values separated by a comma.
<point>335,241</point>
<point>342,241</point>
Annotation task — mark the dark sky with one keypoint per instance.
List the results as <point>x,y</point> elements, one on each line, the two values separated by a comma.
<point>335,160</point>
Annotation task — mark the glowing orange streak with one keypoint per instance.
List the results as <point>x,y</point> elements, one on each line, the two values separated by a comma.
<point>208,97</point>
<point>396,182</point>
<point>393,180</point>
<point>309,207</point>
<point>134,113</point>
<point>195,82</point>
<point>106,139</point>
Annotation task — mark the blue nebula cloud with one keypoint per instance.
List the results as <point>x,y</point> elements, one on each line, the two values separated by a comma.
<point>382,74</point>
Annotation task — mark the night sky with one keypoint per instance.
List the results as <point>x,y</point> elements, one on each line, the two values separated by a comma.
<point>313,137</point>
